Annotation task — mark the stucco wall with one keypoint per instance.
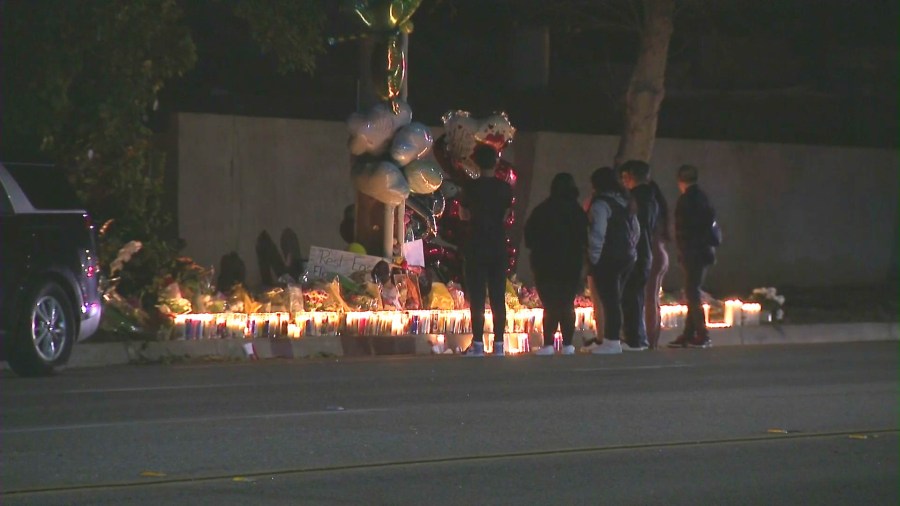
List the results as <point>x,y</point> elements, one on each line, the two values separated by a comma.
<point>791,214</point>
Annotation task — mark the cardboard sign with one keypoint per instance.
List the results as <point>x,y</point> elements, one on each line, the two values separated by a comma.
<point>323,260</point>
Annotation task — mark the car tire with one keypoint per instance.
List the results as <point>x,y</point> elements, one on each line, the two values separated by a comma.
<point>44,333</point>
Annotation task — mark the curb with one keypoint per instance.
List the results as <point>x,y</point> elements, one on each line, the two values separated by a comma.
<point>136,352</point>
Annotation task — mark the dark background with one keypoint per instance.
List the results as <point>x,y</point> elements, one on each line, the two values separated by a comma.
<point>804,71</point>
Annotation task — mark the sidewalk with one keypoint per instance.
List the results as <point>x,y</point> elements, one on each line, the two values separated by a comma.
<point>100,354</point>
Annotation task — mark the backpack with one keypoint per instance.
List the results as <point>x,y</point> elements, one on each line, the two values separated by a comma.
<point>622,232</point>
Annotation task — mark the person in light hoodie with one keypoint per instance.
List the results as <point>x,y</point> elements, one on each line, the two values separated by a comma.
<point>612,252</point>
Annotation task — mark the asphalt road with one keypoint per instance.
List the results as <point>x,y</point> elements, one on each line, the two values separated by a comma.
<point>799,424</point>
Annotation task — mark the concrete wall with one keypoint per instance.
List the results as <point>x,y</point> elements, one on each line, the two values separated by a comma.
<point>791,214</point>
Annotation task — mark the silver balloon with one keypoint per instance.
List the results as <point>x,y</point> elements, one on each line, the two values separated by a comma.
<point>382,181</point>
<point>410,143</point>
<point>424,176</point>
<point>438,204</point>
<point>372,131</point>
<point>420,205</point>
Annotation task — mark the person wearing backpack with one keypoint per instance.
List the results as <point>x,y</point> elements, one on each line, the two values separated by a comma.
<point>636,177</point>
<point>612,252</point>
<point>696,238</point>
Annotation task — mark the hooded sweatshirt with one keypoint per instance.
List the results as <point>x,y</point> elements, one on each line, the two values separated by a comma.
<point>599,215</point>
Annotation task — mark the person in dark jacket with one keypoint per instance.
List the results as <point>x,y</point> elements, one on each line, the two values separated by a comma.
<point>611,251</point>
<point>694,217</point>
<point>556,234</point>
<point>636,177</point>
<point>486,203</point>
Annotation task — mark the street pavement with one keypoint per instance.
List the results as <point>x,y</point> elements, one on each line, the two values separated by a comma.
<point>765,424</point>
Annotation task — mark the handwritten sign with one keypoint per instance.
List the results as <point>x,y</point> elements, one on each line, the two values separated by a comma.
<point>323,261</point>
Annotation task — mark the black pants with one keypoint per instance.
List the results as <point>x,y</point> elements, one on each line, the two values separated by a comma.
<point>694,274</point>
<point>491,273</point>
<point>633,295</point>
<point>609,279</point>
<point>557,291</point>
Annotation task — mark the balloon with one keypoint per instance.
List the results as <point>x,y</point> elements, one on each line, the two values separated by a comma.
<point>411,142</point>
<point>382,181</point>
<point>506,172</point>
<point>420,205</point>
<point>415,228</point>
<point>383,15</point>
<point>495,131</point>
<point>512,254</point>
<point>463,133</point>
<point>388,69</point>
<point>510,219</point>
<point>438,204</point>
<point>357,248</point>
<point>371,132</point>
<point>424,176</point>
<point>449,189</point>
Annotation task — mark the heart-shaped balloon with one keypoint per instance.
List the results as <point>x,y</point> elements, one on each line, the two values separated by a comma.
<point>410,143</point>
<point>371,132</point>
<point>424,176</point>
<point>465,132</point>
<point>382,181</point>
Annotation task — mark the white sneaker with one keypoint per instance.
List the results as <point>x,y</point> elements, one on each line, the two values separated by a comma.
<point>568,349</point>
<point>607,347</point>
<point>625,347</point>
<point>545,351</point>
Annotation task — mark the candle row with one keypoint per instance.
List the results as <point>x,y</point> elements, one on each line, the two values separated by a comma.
<point>395,323</point>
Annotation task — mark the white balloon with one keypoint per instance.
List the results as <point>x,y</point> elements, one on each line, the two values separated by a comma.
<point>371,132</point>
<point>465,132</point>
<point>411,142</point>
<point>382,181</point>
<point>424,176</point>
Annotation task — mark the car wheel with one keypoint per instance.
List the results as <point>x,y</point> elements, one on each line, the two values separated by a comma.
<point>45,332</point>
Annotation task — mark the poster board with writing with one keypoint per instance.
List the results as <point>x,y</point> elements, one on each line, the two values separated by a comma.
<point>324,260</point>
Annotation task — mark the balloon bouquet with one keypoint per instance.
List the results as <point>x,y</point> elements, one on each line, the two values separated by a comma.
<point>391,162</point>
<point>453,150</point>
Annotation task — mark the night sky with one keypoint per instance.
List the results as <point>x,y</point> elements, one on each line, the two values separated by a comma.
<point>818,72</point>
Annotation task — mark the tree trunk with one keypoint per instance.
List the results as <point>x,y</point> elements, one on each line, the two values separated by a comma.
<point>647,86</point>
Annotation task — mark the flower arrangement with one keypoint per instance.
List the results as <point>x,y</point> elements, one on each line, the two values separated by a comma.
<point>770,301</point>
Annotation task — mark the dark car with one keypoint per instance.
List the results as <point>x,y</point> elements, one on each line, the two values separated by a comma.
<point>49,293</point>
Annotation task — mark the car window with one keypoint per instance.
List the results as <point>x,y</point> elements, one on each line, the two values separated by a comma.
<point>45,186</point>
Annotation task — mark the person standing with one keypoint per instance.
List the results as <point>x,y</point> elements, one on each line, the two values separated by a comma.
<point>612,251</point>
<point>635,177</point>
<point>658,267</point>
<point>556,234</point>
<point>694,221</point>
<point>486,201</point>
